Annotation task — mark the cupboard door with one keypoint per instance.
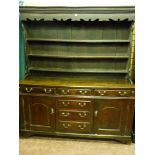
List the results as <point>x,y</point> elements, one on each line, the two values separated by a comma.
<point>21,113</point>
<point>110,116</point>
<point>40,113</point>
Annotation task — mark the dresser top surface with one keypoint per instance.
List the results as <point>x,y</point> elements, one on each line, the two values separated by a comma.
<point>77,82</point>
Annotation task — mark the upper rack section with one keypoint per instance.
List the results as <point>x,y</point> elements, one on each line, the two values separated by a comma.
<point>78,41</point>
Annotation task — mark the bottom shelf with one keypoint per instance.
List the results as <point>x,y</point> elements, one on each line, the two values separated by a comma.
<point>95,71</point>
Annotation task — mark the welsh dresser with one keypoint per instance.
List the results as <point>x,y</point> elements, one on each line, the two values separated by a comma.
<point>79,73</point>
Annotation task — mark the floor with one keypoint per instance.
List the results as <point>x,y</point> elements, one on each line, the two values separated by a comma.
<point>64,146</point>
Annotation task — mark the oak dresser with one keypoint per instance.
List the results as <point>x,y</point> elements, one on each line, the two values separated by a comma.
<point>79,74</point>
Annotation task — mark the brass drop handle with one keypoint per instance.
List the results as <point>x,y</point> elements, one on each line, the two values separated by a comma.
<point>47,90</point>
<point>82,104</point>
<point>65,91</point>
<point>133,92</point>
<point>66,114</point>
<point>82,114</point>
<point>65,103</point>
<point>102,93</point>
<point>122,93</point>
<point>82,126</point>
<point>83,92</point>
<point>52,111</point>
<point>28,90</point>
<point>25,122</point>
<point>95,113</point>
<point>66,125</point>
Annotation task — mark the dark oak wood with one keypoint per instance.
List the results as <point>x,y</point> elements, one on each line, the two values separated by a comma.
<point>40,113</point>
<point>72,81</point>
<point>73,127</point>
<point>71,114</point>
<point>133,131</point>
<point>74,104</point>
<point>78,72</point>
<point>80,115</point>
<point>110,116</point>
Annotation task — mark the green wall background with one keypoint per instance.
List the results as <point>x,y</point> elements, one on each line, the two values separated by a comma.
<point>21,52</point>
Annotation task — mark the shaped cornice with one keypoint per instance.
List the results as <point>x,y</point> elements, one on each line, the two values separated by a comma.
<point>77,13</point>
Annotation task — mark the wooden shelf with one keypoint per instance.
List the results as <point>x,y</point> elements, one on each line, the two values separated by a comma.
<point>78,56</point>
<point>76,70</point>
<point>77,41</point>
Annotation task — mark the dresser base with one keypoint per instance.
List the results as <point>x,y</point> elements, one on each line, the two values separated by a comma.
<point>94,112</point>
<point>122,139</point>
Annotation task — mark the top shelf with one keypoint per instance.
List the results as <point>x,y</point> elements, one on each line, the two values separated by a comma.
<point>77,41</point>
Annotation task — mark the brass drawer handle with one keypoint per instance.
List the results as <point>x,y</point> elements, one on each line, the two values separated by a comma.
<point>102,93</point>
<point>65,104</point>
<point>133,92</point>
<point>66,125</point>
<point>95,113</point>
<point>83,92</point>
<point>47,90</point>
<point>122,93</point>
<point>82,104</point>
<point>26,123</point>
<point>52,111</point>
<point>66,114</point>
<point>82,114</point>
<point>83,126</point>
<point>28,90</point>
<point>65,92</point>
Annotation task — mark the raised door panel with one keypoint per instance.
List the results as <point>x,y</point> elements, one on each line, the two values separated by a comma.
<point>110,116</point>
<point>40,113</point>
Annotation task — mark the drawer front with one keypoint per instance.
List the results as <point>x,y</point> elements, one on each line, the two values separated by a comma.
<point>42,90</point>
<point>115,93</point>
<point>73,127</point>
<point>73,115</point>
<point>66,91</point>
<point>72,104</point>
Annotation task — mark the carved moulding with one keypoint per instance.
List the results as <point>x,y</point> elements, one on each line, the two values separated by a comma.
<point>76,17</point>
<point>77,13</point>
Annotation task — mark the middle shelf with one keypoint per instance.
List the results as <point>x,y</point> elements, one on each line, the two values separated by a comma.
<point>76,70</point>
<point>86,65</point>
<point>76,56</point>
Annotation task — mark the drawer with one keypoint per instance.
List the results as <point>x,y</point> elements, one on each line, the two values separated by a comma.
<point>72,104</point>
<point>42,90</point>
<point>73,127</point>
<point>73,115</point>
<point>115,93</point>
<point>67,91</point>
